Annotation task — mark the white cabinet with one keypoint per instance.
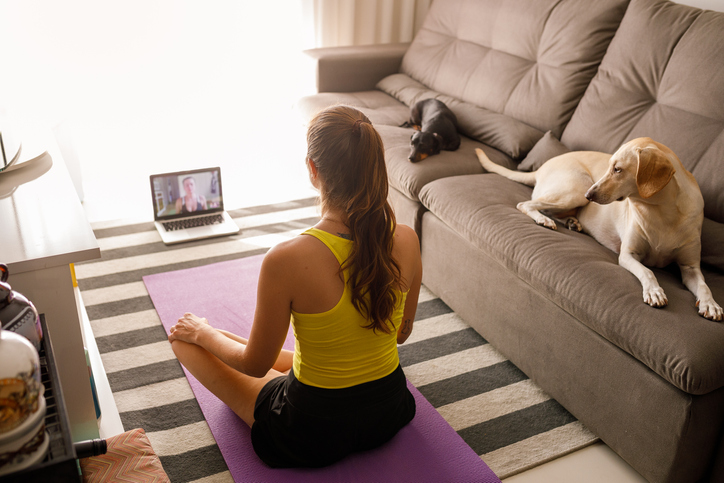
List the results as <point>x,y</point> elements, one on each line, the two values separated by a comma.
<point>43,229</point>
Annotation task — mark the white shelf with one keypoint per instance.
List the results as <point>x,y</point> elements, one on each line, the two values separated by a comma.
<point>109,423</point>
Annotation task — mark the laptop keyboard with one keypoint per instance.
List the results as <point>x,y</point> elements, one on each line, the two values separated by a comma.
<point>193,222</point>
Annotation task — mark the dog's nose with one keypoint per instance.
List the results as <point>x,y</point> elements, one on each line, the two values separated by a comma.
<point>589,195</point>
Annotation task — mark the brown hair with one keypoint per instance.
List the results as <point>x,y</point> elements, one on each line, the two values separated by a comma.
<point>350,160</point>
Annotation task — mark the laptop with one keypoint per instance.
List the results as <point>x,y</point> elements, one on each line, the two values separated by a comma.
<point>188,205</point>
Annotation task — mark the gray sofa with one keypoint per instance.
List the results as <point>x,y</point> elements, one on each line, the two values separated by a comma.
<point>528,80</point>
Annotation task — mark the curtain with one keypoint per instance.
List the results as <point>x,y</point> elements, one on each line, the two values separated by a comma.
<point>333,23</point>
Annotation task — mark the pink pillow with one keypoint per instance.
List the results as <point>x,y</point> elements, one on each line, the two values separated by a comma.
<point>130,457</point>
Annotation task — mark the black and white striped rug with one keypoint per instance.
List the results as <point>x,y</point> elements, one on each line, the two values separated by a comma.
<point>492,405</point>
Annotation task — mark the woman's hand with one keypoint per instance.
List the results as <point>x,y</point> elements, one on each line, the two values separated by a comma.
<point>188,328</point>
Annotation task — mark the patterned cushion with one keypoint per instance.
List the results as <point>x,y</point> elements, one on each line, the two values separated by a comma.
<point>130,457</point>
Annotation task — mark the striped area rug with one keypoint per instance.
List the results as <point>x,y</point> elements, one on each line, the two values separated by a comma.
<point>492,405</point>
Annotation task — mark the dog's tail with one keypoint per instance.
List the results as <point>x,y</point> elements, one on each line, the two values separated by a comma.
<point>517,176</point>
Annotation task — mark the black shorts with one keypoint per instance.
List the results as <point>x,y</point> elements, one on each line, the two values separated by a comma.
<point>297,425</point>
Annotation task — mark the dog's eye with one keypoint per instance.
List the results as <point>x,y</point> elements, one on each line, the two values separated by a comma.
<point>616,169</point>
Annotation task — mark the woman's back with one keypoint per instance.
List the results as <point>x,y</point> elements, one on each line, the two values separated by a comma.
<point>333,347</point>
<point>314,270</point>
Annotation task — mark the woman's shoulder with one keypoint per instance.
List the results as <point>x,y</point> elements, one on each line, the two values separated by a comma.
<point>298,262</point>
<point>406,247</point>
<point>406,237</point>
<point>295,249</point>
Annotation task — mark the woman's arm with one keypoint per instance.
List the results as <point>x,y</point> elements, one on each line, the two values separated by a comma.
<point>233,336</point>
<point>269,330</point>
<point>412,249</point>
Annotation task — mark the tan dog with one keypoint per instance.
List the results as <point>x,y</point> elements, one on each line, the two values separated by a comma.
<point>647,207</point>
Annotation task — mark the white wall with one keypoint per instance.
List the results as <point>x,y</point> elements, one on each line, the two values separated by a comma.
<point>188,82</point>
<point>85,56</point>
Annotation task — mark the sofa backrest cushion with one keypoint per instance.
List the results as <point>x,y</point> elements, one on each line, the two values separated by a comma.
<point>527,59</point>
<point>548,147</point>
<point>502,132</point>
<point>662,77</point>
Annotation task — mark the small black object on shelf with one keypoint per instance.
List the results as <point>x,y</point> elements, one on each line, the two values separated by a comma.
<point>91,447</point>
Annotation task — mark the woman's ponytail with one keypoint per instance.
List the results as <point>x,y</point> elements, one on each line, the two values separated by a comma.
<point>349,156</point>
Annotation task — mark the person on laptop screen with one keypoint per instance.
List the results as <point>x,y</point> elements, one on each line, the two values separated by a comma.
<point>188,205</point>
<point>191,201</point>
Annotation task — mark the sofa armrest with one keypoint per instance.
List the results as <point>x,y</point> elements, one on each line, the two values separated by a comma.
<point>355,68</point>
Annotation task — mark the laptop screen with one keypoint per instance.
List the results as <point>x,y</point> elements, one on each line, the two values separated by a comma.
<point>186,193</point>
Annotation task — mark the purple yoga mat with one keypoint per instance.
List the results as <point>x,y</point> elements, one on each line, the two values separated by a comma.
<point>426,450</point>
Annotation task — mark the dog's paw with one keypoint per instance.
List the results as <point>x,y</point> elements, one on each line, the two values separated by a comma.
<point>547,222</point>
<point>710,310</point>
<point>573,224</point>
<point>656,297</point>
<point>539,218</point>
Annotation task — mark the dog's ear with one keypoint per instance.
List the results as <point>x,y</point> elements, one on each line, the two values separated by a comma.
<point>654,171</point>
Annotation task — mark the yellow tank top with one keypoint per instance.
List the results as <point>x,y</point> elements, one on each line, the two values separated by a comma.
<point>333,349</point>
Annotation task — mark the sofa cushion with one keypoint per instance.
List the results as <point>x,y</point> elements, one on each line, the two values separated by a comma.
<point>712,244</point>
<point>409,178</point>
<point>387,114</point>
<point>379,107</point>
<point>712,233</point>
<point>546,148</point>
<point>533,67</point>
<point>502,132</point>
<point>584,278</point>
<point>662,77</point>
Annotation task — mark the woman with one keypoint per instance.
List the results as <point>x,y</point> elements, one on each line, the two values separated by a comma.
<point>350,285</point>
<point>191,201</point>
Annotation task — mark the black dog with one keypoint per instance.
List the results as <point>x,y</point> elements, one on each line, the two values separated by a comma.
<point>437,126</point>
